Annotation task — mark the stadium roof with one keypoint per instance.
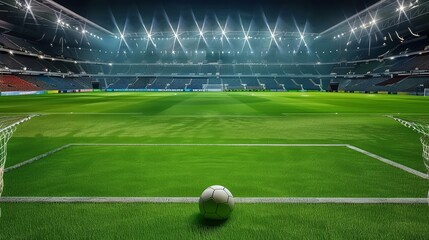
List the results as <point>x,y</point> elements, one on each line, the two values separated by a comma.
<point>318,14</point>
<point>383,15</point>
<point>95,20</point>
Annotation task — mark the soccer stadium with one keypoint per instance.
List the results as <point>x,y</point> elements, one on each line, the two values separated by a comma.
<point>214,119</point>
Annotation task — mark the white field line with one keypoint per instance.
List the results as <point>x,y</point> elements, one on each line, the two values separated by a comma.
<point>280,115</point>
<point>195,200</point>
<point>206,145</point>
<point>160,145</point>
<point>36,158</point>
<point>390,162</point>
<point>384,160</point>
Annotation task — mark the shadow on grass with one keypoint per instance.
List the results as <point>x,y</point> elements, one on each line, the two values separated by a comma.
<point>203,223</point>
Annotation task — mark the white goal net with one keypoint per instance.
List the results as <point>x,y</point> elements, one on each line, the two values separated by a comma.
<point>213,87</point>
<point>423,130</point>
<point>426,92</point>
<point>8,125</point>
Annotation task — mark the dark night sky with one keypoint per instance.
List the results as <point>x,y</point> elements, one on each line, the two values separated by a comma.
<point>319,14</point>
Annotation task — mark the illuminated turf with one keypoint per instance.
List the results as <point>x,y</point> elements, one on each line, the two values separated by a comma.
<point>159,171</point>
<point>264,118</point>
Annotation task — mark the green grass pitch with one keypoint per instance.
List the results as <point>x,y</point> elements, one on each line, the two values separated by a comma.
<point>184,171</point>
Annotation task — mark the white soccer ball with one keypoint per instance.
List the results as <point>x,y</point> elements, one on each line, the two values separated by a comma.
<point>216,202</point>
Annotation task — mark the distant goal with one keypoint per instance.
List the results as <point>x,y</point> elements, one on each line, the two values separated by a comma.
<point>426,92</point>
<point>215,87</point>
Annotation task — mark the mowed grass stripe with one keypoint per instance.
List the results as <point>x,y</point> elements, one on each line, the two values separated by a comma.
<point>379,158</point>
<point>218,103</point>
<point>209,117</point>
<point>182,171</point>
<point>182,221</point>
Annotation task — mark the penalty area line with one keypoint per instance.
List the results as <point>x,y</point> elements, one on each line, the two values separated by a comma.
<point>390,162</point>
<point>195,200</point>
<point>369,154</point>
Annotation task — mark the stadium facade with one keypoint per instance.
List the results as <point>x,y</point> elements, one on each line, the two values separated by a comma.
<point>46,47</point>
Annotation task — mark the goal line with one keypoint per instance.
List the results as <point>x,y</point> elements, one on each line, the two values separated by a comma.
<point>195,200</point>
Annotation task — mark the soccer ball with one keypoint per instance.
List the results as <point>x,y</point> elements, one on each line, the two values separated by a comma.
<point>216,202</point>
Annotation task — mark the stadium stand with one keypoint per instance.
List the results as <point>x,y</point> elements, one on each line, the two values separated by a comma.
<point>307,84</point>
<point>13,83</point>
<point>251,83</point>
<point>233,84</point>
<point>197,83</point>
<point>393,62</point>
<point>122,83</point>
<point>289,84</point>
<point>160,83</point>
<point>270,84</point>
<point>140,83</point>
<point>179,83</point>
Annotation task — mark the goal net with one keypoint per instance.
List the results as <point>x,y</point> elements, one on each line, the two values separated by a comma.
<point>215,87</point>
<point>423,130</point>
<point>8,125</point>
<point>426,92</point>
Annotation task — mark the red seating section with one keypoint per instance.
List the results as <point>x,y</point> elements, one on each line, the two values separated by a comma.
<point>12,83</point>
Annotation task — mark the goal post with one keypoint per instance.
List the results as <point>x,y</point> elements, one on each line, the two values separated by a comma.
<point>426,92</point>
<point>8,125</point>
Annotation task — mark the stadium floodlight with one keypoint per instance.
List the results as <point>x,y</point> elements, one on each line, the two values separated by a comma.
<point>8,125</point>
<point>223,32</point>
<point>201,34</point>
<point>176,35</point>
<point>122,36</point>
